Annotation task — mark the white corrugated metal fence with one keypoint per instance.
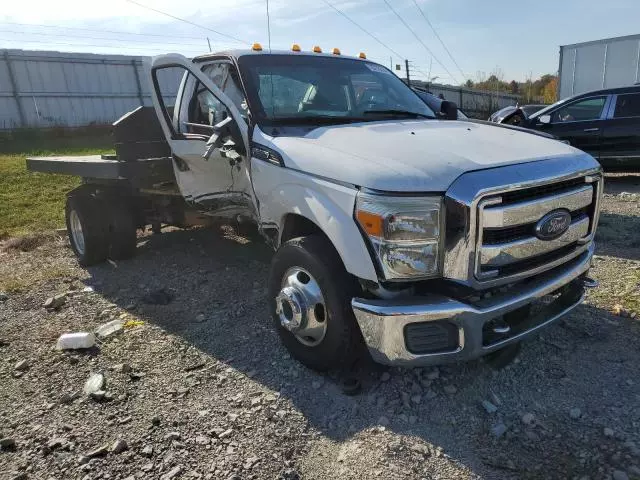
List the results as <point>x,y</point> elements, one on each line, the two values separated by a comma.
<point>47,89</point>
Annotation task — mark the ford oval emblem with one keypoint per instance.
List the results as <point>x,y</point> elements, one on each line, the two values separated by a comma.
<point>553,224</point>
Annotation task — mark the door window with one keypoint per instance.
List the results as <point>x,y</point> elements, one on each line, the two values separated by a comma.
<point>580,111</point>
<point>204,111</point>
<point>225,77</point>
<point>169,81</point>
<point>627,105</point>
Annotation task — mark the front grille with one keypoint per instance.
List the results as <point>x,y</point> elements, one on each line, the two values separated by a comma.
<point>516,196</point>
<point>511,234</point>
<point>508,245</point>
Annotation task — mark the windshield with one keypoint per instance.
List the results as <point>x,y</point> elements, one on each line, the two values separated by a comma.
<point>293,88</point>
<point>548,108</point>
<point>531,109</point>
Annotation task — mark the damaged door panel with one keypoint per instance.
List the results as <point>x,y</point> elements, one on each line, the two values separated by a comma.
<point>208,139</point>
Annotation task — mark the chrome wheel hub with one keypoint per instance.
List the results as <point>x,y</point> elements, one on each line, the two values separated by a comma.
<point>300,307</point>
<point>76,231</point>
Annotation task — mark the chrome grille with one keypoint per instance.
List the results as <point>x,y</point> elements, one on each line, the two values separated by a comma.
<point>507,244</point>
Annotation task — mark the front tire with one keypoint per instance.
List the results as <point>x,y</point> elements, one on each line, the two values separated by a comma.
<point>310,296</point>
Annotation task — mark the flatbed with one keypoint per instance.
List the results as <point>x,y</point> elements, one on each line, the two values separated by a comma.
<point>141,173</point>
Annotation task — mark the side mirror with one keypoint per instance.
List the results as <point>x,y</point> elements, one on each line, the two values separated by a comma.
<point>449,110</point>
<point>544,119</point>
<point>221,130</point>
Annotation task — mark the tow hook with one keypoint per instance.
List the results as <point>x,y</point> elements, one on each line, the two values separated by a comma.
<point>588,282</point>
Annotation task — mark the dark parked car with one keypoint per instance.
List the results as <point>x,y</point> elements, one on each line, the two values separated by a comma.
<point>604,123</point>
<point>444,109</point>
<point>527,110</point>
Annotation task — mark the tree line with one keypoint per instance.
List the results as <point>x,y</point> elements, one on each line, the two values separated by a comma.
<point>544,89</point>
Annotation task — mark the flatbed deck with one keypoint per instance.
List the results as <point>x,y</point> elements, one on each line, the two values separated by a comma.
<point>142,172</point>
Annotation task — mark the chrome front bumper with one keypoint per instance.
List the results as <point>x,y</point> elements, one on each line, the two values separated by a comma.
<point>384,322</point>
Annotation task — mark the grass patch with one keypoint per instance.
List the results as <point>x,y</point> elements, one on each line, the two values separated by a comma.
<point>17,284</point>
<point>34,202</point>
<point>619,287</point>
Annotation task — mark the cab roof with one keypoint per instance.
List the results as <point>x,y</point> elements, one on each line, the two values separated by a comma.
<point>246,52</point>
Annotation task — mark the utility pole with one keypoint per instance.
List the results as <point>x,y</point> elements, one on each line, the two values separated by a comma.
<point>406,67</point>
<point>209,42</point>
<point>391,63</point>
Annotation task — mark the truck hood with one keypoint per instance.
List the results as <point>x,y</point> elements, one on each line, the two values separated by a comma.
<point>406,156</point>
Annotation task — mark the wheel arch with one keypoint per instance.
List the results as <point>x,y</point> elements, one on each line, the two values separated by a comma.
<point>324,217</point>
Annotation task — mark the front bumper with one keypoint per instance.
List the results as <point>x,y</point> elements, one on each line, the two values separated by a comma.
<point>386,324</point>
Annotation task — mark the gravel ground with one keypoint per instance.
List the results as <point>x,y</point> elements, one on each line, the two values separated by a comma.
<point>197,385</point>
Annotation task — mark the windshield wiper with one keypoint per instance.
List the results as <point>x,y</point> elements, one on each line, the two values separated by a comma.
<point>397,112</point>
<point>311,120</point>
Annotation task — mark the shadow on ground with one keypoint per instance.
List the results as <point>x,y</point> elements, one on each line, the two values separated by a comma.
<point>580,362</point>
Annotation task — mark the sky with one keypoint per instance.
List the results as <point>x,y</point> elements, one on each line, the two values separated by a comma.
<point>514,39</point>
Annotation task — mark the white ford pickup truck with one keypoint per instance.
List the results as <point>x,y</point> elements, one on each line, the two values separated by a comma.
<point>426,240</point>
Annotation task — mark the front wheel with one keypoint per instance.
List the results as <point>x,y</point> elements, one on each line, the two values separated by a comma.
<point>310,293</point>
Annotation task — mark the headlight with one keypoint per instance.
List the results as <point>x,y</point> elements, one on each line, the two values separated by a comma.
<point>404,233</point>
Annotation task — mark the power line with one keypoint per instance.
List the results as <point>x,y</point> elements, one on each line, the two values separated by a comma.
<point>66,35</point>
<point>340,12</point>
<point>417,38</point>
<point>95,30</point>
<point>424,15</point>
<point>119,47</point>
<point>188,21</point>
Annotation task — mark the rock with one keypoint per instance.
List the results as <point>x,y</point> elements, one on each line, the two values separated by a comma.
<point>575,413</point>
<point>489,407</point>
<point>450,389</point>
<point>3,297</point>
<point>289,474</point>
<point>608,432</point>
<point>385,377</point>
<point>55,302</point>
<point>107,329</point>
<point>202,440</point>
<point>155,421</point>
<point>433,374</point>
<point>383,421</point>
<point>201,318</point>
<point>122,368</point>
<point>147,451</point>
<point>417,399</point>
<point>619,475</point>
<point>431,394</point>
<point>94,384</point>
<point>528,418</point>
<point>98,452</point>
<point>226,433</point>
<point>119,446</point>
<point>634,471</point>
<point>158,297</point>
<point>498,430</point>
<point>56,443</point>
<point>7,443</point>
<point>67,398</point>
<point>19,476</point>
<point>171,436</point>
<point>78,340</point>
<point>250,462</point>
<point>21,366</point>
<point>175,472</point>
